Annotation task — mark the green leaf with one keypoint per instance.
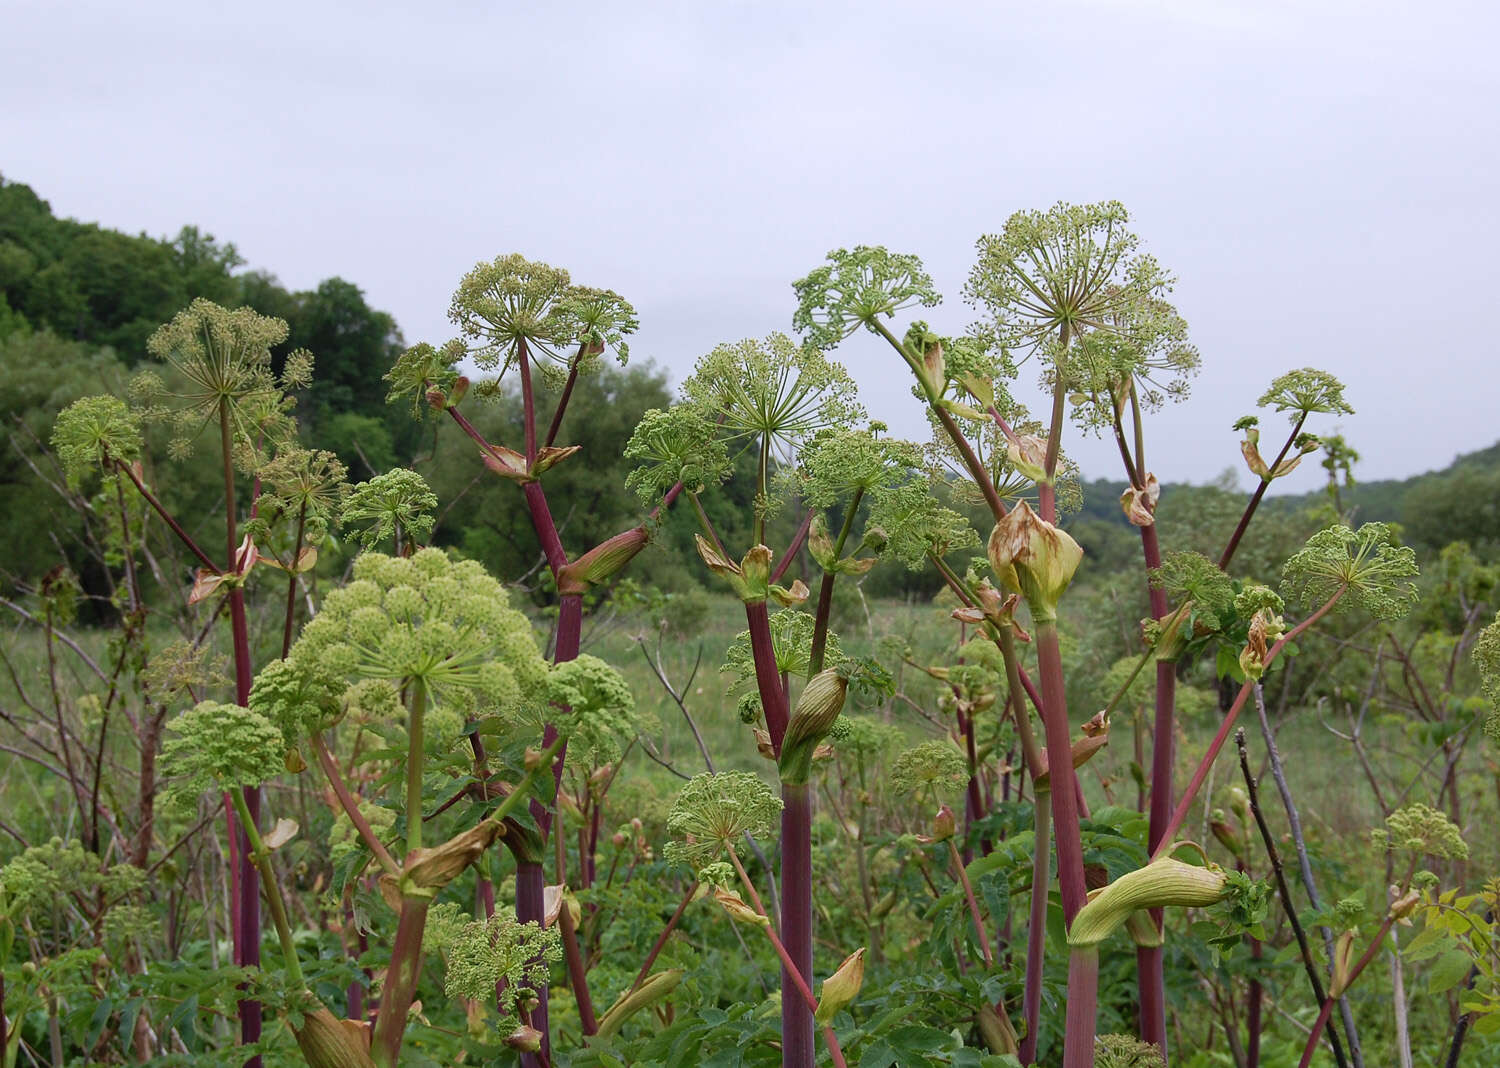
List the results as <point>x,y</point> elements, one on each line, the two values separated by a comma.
<point>128,1013</point>
<point>101,1016</point>
<point>1429,943</point>
<point>1448,971</point>
<point>185,1019</point>
<point>1487,1025</point>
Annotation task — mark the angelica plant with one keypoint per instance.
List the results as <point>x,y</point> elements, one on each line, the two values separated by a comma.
<point>794,411</point>
<point>1413,833</point>
<point>710,816</point>
<point>965,380</point>
<point>215,372</point>
<point>528,319</point>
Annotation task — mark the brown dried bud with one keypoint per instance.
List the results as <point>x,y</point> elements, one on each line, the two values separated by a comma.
<point>1140,504</point>
<point>735,905</point>
<point>1035,557</point>
<point>427,871</point>
<point>526,1039</point>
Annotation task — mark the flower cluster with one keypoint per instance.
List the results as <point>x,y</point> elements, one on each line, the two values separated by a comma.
<point>1304,391</point>
<point>94,432</point>
<point>1487,659</point>
<point>1421,831</point>
<point>857,287</point>
<point>36,877</point>
<point>221,357</point>
<point>773,390</point>
<point>1369,569</point>
<point>916,526</point>
<point>863,737</point>
<point>675,445</point>
<point>1126,1051</point>
<point>430,620</point>
<point>714,811</point>
<point>483,954</point>
<point>791,639</point>
<point>509,302</point>
<point>305,484</point>
<point>1071,268</point>
<point>593,707</point>
<point>217,746</point>
<point>397,505</point>
<point>837,462</point>
<point>930,770</point>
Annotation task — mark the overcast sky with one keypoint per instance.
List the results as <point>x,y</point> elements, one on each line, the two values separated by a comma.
<point>1321,176</point>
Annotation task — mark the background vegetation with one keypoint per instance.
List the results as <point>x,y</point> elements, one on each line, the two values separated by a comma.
<point>1368,715</point>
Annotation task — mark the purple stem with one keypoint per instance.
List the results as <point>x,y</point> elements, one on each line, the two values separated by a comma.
<point>400,985</point>
<point>773,698</point>
<point>247,879</point>
<point>1083,997</point>
<point>529,905</point>
<point>797,1034</point>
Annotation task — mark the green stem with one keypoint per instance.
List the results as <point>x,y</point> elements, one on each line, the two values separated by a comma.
<point>289,623</point>
<point>414,762</point>
<point>260,856</point>
<point>825,591</point>
<point>523,788</point>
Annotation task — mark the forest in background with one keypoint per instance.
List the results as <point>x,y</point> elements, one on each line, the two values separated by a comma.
<point>78,301</point>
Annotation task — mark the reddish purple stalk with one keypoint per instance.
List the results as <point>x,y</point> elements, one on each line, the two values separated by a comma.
<point>531,907</point>
<point>773,698</point>
<point>1060,769</point>
<point>1260,491</point>
<point>577,972</point>
<point>401,983</point>
<point>1083,1000</point>
<point>661,939</point>
<point>798,1047</point>
<point>1179,814</point>
<point>1354,973</point>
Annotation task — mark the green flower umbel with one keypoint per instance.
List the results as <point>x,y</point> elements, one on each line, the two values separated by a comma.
<point>428,619</point>
<point>715,811</point>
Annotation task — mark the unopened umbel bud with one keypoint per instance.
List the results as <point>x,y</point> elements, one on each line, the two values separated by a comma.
<point>1239,804</point>
<point>1035,557</point>
<point>944,825</point>
<point>842,987</point>
<point>325,1041</point>
<point>1163,882</point>
<point>603,561</point>
<point>819,704</point>
<point>1228,837</point>
<point>1343,962</point>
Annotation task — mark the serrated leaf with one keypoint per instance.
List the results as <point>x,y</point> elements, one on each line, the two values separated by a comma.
<point>1448,971</point>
